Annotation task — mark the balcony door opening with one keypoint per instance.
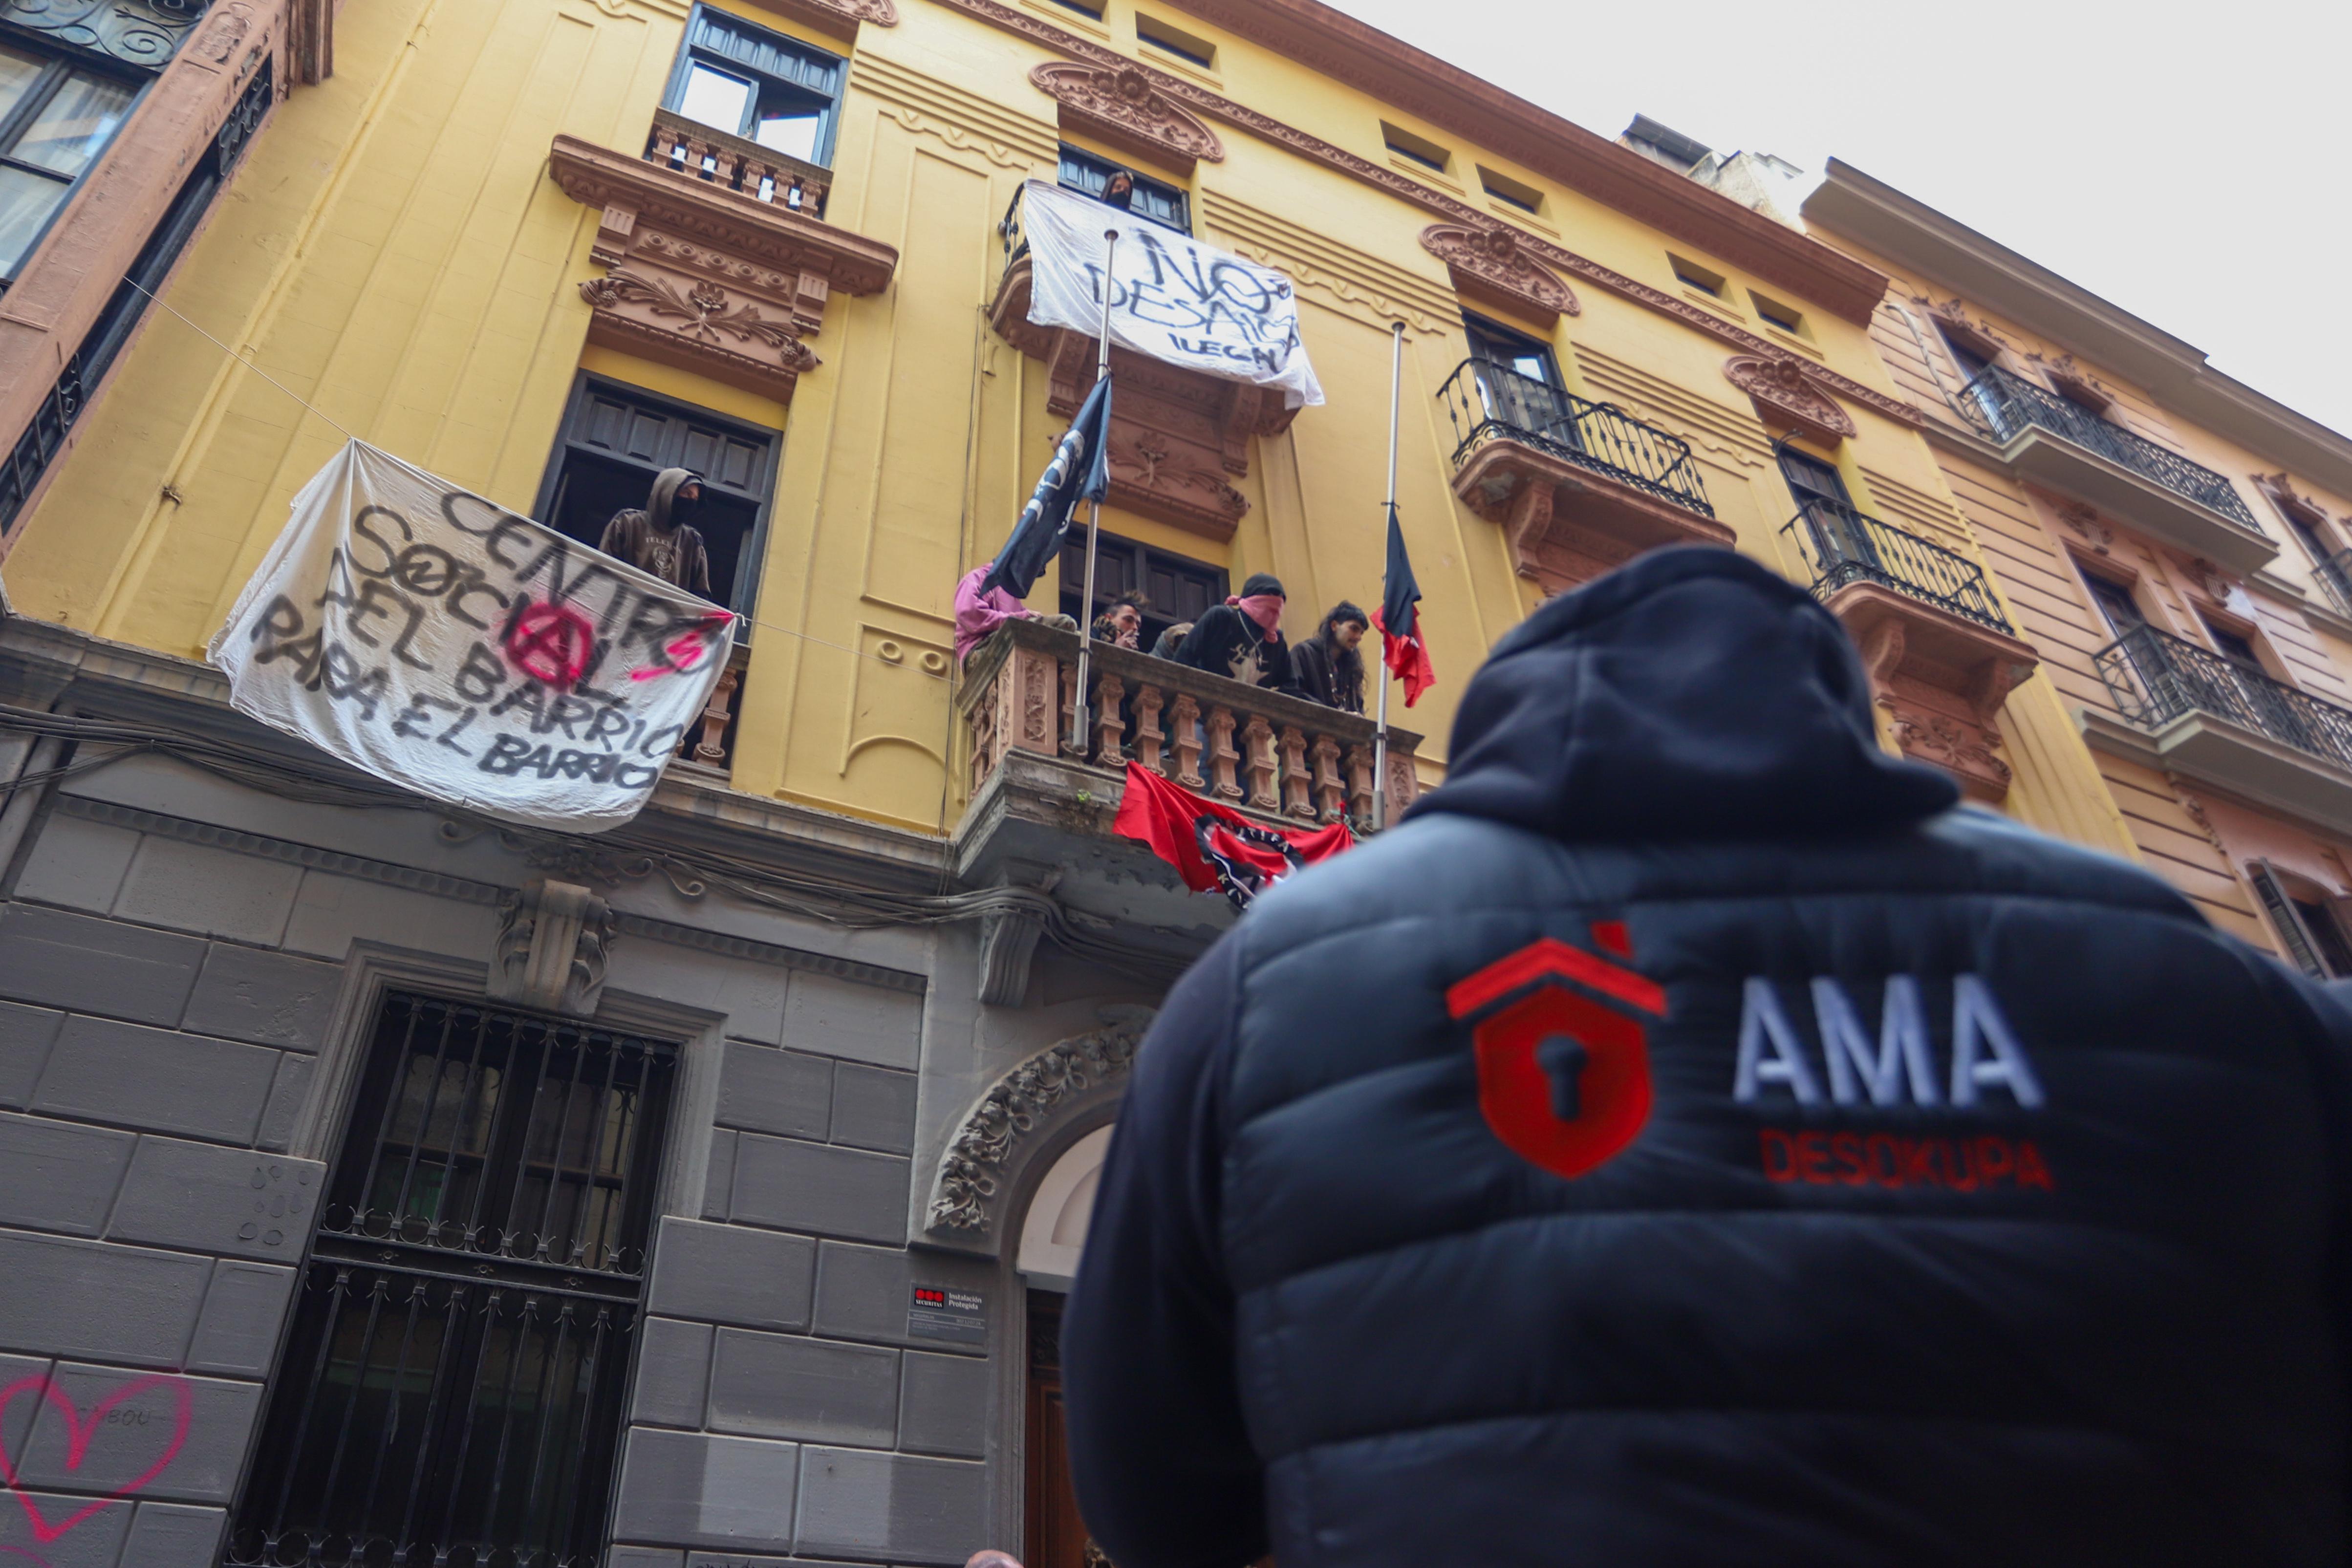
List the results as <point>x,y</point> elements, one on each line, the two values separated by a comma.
<point>1177,590</point>
<point>451,1388</point>
<point>759,86</point>
<point>1824,501</point>
<point>615,440</point>
<point>1519,382</point>
<point>1090,174</point>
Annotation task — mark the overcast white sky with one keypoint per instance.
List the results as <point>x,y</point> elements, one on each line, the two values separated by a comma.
<point>2184,162</point>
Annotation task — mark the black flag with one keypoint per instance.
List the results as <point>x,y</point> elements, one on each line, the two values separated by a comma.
<point>1080,472</point>
<point>1401,648</point>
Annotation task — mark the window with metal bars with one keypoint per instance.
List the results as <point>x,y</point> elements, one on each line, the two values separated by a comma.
<point>450,1391</point>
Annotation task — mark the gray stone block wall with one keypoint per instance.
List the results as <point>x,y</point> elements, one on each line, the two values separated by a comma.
<point>163,1006</point>
<point>786,1407</point>
<point>150,1048</point>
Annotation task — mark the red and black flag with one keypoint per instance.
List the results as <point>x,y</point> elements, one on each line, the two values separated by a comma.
<point>1215,847</point>
<point>1399,618</point>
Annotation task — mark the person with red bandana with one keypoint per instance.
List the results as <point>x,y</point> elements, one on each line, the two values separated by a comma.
<point>1241,638</point>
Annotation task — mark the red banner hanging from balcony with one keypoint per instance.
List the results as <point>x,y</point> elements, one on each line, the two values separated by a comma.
<point>1215,847</point>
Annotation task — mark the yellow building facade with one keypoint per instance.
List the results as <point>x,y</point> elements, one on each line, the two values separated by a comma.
<point>855,997</point>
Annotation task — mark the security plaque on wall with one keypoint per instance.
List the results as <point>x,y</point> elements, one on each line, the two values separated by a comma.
<point>955,1317</point>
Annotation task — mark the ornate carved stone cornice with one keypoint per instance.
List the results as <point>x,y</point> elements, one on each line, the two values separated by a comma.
<point>1124,106</point>
<point>1063,1080</point>
<point>1490,259</point>
<point>1406,188</point>
<point>707,278</point>
<point>839,16</point>
<point>1781,387</point>
<point>1347,50</point>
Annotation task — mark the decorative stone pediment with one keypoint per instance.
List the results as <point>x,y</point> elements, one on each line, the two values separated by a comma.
<point>1064,1081</point>
<point>1492,261</point>
<point>2283,494</point>
<point>1178,438</point>
<point>1123,106</point>
<point>1782,390</point>
<point>706,279</point>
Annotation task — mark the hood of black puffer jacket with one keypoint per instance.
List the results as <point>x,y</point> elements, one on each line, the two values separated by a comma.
<point>1691,694</point>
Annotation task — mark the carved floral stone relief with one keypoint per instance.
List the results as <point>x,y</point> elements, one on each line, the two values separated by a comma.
<point>1494,259</point>
<point>1124,105</point>
<point>1059,1081</point>
<point>706,278</point>
<point>1781,387</point>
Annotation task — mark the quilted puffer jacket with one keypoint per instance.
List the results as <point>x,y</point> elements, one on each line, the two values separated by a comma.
<point>1691,1139</point>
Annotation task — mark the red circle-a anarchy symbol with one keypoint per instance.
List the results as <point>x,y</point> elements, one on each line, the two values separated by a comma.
<point>551,643</point>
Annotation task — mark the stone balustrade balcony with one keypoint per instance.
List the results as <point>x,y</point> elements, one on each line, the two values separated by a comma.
<point>1041,808</point>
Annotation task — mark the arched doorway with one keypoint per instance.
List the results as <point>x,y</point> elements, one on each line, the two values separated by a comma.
<point>1052,1235</point>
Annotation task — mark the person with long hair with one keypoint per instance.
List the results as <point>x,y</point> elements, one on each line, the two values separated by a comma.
<point>1326,667</point>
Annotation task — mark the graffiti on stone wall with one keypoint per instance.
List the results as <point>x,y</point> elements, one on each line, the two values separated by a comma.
<point>129,1424</point>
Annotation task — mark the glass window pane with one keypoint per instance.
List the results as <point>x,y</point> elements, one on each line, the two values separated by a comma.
<point>714,98</point>
<point>75,124</point>
<point>791,132</point>
<point>26,200</point>
<point>18,72</point>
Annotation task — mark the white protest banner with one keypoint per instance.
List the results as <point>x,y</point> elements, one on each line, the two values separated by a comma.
<point>1171,297</point>
<point>474,656</point>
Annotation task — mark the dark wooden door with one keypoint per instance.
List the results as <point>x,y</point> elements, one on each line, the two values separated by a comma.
<point>1057,1535</point>
<point>616,439</point>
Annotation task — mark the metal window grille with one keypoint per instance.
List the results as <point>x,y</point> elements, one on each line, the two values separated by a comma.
<point>450,1392</point>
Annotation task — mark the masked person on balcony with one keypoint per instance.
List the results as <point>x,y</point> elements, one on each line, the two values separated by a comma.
<point>1241,638</point>
<point>658,539</point>
<point>1327,668</point>
<point>1689,1140</point>
<point>977,615</point>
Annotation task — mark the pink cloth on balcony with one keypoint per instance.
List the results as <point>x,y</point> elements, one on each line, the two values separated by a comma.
<point>977,614</point>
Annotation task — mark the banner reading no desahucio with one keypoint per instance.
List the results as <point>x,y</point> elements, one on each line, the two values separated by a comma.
<point>1171,297</point>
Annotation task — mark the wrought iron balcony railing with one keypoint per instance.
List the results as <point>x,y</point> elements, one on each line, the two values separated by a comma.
<point>1842,546</point>
<point>1488,402</point>
<point>2156,678</point>
<point>2006,406</point>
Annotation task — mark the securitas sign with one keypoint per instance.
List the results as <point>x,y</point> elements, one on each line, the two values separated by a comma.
<point>1171,297</point>
<point>445,645</point>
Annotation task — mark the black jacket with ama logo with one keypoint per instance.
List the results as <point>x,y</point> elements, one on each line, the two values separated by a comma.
<point>1690,1140</point>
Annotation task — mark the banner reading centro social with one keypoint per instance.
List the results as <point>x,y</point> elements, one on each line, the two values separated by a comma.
<point>1171,297</point>
<point>477,657</point>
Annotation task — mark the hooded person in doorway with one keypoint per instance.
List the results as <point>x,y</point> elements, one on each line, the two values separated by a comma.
<point>1327,668</point>
<point>658,539</point>
<point>1241,638</point>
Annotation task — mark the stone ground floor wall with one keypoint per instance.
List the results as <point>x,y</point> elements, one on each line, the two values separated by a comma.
<point>184,967</point>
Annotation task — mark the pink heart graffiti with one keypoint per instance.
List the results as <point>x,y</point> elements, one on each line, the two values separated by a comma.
<point>79,1432</point>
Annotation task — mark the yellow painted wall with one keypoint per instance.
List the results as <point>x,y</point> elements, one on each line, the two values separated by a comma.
<point>393,252</point>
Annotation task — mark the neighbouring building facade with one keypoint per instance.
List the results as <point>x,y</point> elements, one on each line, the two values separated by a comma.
<point>384,1181</point>
<point>2173,542</point>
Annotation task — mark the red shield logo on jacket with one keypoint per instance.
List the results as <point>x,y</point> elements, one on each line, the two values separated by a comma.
<point>1563,1054</point>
